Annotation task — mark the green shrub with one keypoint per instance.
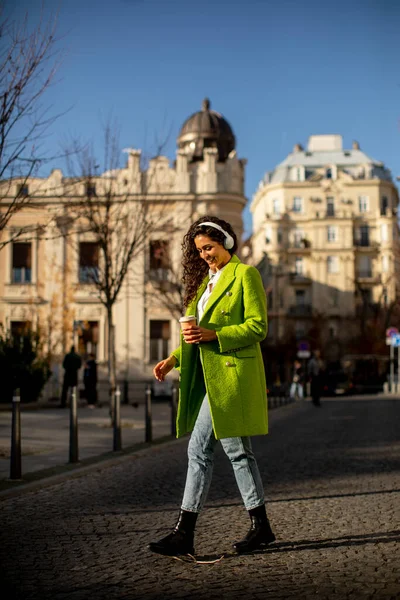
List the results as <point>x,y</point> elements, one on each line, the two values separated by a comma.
<point>23,365</point>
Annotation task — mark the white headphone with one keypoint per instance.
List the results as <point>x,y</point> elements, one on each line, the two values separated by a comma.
<point>229,242</point>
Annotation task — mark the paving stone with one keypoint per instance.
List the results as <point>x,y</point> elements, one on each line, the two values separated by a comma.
<point>332,482</point>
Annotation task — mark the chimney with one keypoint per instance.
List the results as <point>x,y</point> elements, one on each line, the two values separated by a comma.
<point>356,145</point>
<point>298,148</point>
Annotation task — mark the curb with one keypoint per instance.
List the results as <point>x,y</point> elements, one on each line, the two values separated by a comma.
<point>102,461</point>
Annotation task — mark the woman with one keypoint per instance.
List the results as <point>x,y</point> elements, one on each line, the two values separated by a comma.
<point>222,384</point>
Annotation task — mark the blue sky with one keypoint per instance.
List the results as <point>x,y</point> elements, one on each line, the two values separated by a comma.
<point>278,71</point>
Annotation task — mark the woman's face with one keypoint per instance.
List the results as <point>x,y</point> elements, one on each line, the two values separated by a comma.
<point>215,255</point>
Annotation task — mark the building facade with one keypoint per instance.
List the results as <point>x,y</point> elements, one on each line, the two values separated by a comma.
<point>46,278</point>
<point>326,238</point>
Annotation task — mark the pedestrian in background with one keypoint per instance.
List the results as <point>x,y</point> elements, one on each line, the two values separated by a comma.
<point>71,364</point>
<point>222,384</point>
<point>296,388</point>
<point>90,381</point>
<point>315,374</point>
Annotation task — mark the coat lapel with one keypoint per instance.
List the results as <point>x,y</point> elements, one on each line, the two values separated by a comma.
<point>227,276</point>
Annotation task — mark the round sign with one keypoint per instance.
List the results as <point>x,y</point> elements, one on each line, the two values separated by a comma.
<point>391,331</point>
<point>303,346</point>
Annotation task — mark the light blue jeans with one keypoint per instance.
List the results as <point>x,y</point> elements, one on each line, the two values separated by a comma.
<point>201,459</point>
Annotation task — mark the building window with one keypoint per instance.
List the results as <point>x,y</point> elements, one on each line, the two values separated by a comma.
<point>384,232</point>
<point>385,296</point>
<point>385,263</point>
<point>88,262</point>
<point>366,296</point>
<point>88,338</point>
<point>300,330</point>
<point>268,234</point>
<point>298,238</point>
<point>279,236</point>
<point>22,262</point>
<point>332,264</point>
<point>23,190</point>
<point>364,235</point>
<point>384,205</point>
<point>330,207</point>
<point>20,329</point>
<point>332,233</point>
<point>160,334</point>
<point>364,267</point>
<point>300,297</point>
<point>332,330</point>
<point>160,263</point>
<point>363,204</point>
<point>298,265</point>
<point>328,173</point>
<point>297,204</point>
<point>90,190</point>
<point>276,206</point>
<point>334,296</point>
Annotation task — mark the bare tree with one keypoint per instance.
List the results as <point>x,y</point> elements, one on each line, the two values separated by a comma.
<point>29,59</point>
<point>114,208</point>
<point>164,278</point>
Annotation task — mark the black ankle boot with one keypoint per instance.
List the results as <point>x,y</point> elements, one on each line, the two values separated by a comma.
<point>180,541</point>
<point>259,533</point>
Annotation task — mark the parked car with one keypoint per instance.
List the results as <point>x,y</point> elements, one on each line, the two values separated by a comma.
<point>337,383</point>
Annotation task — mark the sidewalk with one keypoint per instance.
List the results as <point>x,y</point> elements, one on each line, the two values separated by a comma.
<point>332,480</point>
<point>45,434</point>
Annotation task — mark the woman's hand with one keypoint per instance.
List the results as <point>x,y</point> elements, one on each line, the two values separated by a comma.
<point>195,335</point>
<point>164,367</point>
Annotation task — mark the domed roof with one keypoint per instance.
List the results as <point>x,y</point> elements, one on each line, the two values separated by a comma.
<point>206,129</point>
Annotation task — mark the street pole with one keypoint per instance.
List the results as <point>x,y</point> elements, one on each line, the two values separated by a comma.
<point>15,462</point>
<point>73,428</point>
<point>398,371</point>
<point>117,444</point>
<point>391,387</point>
<point>149,432</point>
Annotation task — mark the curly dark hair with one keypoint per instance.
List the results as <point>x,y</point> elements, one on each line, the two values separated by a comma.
<point>194,267</point>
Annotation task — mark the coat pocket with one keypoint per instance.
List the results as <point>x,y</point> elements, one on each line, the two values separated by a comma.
<point>246,353</point>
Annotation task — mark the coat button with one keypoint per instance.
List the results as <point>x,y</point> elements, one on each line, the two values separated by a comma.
<point>223,312</point>
<point>228,293</point>
<point>228,364</point>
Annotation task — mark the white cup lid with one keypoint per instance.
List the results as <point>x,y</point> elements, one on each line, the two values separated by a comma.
<point>186,319</point>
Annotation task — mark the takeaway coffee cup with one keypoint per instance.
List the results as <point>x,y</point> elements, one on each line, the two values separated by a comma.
<point>187,321</point>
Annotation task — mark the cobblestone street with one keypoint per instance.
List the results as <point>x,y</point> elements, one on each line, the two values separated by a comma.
<point>332,480</point>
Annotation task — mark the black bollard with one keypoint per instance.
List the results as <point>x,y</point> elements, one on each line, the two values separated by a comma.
<point>126,391</point>
<point>15,462</point>
<point>148,418</point>
<point>174,403</point>
<point>73,428</point>
<point>117,443</point>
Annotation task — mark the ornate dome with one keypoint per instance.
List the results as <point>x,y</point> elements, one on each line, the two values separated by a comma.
<point>206,129</point>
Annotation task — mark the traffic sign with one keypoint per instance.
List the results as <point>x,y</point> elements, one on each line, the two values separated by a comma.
<point>303,346</point>
<point>395,339</point>
<point>391,331</point>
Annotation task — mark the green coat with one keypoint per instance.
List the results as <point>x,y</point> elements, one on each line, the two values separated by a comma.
<point>231,368</point>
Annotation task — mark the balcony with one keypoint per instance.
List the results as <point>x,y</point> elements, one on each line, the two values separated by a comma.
<point>300,310</point>
<point>366,245</point>
<point>368,277</point>
<point>302,246</point>
<point>367,309</point>
<point>300,278</point>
